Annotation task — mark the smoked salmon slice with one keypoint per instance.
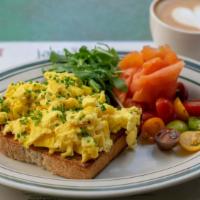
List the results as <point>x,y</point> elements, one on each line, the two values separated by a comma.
<point>152,76</point>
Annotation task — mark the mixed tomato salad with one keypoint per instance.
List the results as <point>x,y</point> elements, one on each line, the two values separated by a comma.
<point>169,116</point>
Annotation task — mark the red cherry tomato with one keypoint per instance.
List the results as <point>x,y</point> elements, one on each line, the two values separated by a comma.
<point>164,109</point>
<point>193,107</point>
<point>181,91</point>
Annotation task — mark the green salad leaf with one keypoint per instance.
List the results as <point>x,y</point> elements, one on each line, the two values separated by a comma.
<point>96,68</point>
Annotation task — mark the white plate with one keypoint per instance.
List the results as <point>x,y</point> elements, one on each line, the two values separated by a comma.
<point>141,171</point>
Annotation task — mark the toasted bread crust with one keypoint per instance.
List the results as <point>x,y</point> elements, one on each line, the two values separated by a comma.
<point>65,167</point>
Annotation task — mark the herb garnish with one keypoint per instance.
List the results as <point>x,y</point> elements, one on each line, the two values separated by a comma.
<point>36,116</point>
<point>24,120</point>
<point>103,108</point>
<point>5,108</point>
<point>61,108</point>
<point>84,133</point>
<point>62,117</point>
<point>68,81</point>
<point>82,116</point>
<point>21,135</point>
<point>28,92</point>
<point>1,100</point>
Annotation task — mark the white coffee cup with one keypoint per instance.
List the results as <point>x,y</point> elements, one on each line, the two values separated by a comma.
<point>185,43</point>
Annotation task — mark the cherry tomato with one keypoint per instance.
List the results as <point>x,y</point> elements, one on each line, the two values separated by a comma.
<point>194,123</point>
<point>181,91</point>
<point>164,109</point>
<point>180,110</point>
<point>151,127</point>
<point>190,140</point>
<point>166,138</point>
<point>178,125</point>
<point>193,107</point>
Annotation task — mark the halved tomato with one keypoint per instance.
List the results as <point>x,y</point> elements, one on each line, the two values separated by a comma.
<point>180,110</point>
<point>190,140</point>
<point>165,110</point>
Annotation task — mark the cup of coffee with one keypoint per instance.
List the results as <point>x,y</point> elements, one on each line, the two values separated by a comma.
<point>177,23</point>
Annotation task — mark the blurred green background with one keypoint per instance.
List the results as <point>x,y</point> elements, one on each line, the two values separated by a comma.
<point>45,20</point>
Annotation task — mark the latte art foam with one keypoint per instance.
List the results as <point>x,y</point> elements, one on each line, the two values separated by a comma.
<point>181,14</point>
<point>187,16</point>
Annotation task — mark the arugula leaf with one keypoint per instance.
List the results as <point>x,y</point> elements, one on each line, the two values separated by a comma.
<point>54,57</point>
<point>94,85</point>
<point>96,68</point>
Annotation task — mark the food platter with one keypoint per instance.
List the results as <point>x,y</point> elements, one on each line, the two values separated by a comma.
<point>144,170</point>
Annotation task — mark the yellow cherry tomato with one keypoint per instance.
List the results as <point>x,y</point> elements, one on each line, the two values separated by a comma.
<point>180,110</point>
<point>190,140</point>
<point>151,127</point>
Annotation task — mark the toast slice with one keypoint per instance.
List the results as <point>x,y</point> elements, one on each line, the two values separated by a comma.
<point>71,168</point>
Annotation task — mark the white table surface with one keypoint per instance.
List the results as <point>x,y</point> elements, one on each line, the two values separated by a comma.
<point>13,54</point>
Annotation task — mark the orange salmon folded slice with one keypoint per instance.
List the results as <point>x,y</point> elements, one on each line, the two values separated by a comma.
<point>161,83</point>
<point>149,75</point>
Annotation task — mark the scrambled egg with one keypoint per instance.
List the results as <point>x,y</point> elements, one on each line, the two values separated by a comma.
<point>64,115</point>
